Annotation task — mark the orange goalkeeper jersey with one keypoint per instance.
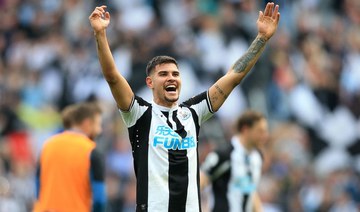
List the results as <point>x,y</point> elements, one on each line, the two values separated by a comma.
<point>65,174</point>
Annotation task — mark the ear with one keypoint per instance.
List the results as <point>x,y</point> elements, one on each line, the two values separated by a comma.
<point>87,122</point>
<point>244,129</point>
<point>149,82</point>
<point>85,125</point>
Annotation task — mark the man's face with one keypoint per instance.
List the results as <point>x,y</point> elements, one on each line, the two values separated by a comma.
<point>94,126</point>
<point>165,82</point>
<point>258,134</point>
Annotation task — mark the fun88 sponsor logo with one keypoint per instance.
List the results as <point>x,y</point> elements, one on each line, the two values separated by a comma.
<point>166,137</point>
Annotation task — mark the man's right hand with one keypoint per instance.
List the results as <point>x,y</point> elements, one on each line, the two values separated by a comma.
<point>99,19</point>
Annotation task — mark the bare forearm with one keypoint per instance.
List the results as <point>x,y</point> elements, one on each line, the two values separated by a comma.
<point>105,57</point>
<point>244,64</point>
<point>223,87</point>
<point>267,24</point>
<point>257,203</point>
<point>204,180</point>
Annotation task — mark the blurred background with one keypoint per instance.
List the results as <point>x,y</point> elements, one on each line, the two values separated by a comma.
<point>307,83</point>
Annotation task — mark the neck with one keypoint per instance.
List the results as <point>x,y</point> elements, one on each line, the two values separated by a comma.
<point>245,142</point>
<point>165,104</point>
<point>78,130</point>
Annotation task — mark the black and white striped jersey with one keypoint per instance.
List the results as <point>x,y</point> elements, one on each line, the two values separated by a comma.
<point>234,174</point>
<point>164,144</point>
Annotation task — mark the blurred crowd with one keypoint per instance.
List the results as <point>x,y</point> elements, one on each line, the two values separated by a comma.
<point>307,83</point>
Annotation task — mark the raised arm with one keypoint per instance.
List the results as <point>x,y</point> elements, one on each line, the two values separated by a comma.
<point>267,24</point>
<point>120,88</point>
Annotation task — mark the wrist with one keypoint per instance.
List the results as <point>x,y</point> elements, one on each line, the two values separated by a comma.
<point>262,37</point>
<point>99,32</point>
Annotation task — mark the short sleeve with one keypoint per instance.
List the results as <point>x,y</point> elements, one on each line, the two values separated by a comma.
<point>137,109</point>
<point>201,105</point>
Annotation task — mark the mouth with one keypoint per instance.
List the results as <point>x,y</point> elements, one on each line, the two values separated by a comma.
<point>170,88</point>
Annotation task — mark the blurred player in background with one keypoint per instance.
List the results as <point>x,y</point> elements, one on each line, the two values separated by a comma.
<point>234,170</point>
<point>70,175</point>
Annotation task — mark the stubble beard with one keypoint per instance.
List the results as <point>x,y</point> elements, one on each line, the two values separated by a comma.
<point>171,100</point>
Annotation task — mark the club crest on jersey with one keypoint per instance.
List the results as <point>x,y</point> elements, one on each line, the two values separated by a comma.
<point>183,114</point>
<point>167,138</point>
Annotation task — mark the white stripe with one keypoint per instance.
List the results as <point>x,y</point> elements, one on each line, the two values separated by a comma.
<point>192,201</point>
<point>158,169</point>
<point>172,122</point>
<point>135,112</point>
<point>239,169</point>
<point>233,194</point>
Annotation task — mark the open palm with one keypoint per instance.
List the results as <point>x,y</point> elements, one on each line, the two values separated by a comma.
<point>268,20</point>
<point>99,19</point>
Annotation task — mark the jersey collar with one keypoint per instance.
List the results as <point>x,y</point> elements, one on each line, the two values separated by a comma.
<point>163,108</point>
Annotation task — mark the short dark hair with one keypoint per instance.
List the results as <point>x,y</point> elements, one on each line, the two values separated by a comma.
<point>157,61</point>
<point>77,113</point>
<point>248,119</point>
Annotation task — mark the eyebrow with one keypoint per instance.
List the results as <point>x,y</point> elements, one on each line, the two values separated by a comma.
<point>165,71</point>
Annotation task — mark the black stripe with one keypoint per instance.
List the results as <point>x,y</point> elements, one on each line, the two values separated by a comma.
<point>198,176</point>
<point>220,185</point>
<point>166,114</point>
<point>245,200</point>
<point>139,138</point>
<point>180,129</point>
<point>178,180</point>
<point>37,178</point>
<point>197,127</point>
<point>196,121</point>
<point>249,173</point>
<point>97,165</point>
<point>132,103</point>
<point>141,101</point>
<point>208,102</point>
<point>196,99</point>
<point>248,166</point>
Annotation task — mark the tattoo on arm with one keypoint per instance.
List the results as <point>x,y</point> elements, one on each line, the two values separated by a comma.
<point>214,99</point>
<point>253,52</point>
<point>220,91</point>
